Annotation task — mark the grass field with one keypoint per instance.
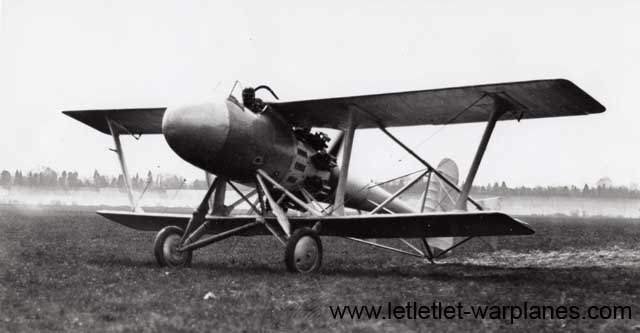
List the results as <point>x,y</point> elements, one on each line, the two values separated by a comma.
<point>73,270</point>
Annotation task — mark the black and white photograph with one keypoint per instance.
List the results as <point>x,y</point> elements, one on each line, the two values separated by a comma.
<point>289,166</point>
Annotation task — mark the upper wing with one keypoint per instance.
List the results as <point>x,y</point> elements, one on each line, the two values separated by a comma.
<point>530,99</point>
<point>450,224</point>
<point>128,121</point>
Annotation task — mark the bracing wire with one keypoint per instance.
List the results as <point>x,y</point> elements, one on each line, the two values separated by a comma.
<point>448,122</point>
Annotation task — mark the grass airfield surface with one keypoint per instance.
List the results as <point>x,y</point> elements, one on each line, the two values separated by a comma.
<point>68,269</point>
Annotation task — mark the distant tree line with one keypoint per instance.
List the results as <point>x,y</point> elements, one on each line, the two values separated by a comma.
<point>568,191</point>
<point>503,190</point>
<point>47,178</point>
<point>69,180</point>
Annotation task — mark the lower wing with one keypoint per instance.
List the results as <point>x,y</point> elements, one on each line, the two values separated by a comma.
<point>446,224</point>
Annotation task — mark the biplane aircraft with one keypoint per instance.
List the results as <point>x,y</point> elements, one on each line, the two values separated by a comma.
<point>300,185</point>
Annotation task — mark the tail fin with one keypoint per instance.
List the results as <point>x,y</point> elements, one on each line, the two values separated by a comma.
<point>441,197</point>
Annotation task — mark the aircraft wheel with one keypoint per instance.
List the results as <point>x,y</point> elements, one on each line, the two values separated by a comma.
<point>165,248</point>
<point>303,253</point>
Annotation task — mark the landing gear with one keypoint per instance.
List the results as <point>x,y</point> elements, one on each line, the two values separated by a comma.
<point>165,248</point>
<point>303,249</point>
<point>173,246</point>
<point>303,253</point>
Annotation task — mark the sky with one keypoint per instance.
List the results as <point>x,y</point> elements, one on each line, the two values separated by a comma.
<point>79,54</point>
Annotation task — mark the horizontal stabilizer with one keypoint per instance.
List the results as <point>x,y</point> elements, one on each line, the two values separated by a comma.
<point>446,224</point>
<point>127,121</point>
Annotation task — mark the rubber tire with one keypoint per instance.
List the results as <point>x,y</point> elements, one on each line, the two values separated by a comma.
<point>159,243</point>
<point>289,252</point>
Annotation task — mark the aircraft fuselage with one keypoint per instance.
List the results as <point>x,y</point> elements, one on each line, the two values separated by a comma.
<point>224,138</point>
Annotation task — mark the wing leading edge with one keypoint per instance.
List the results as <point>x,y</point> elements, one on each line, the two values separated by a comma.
<point>449,224</point>
<point>530,99</point>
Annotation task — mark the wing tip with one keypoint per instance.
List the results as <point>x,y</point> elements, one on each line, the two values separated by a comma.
<point>526,228</point>
<point>79,115</point>
<point>523,227</point>
<point>594,105</point>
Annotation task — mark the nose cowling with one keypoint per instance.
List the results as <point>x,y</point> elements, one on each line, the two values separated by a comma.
<point>197,133</point>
